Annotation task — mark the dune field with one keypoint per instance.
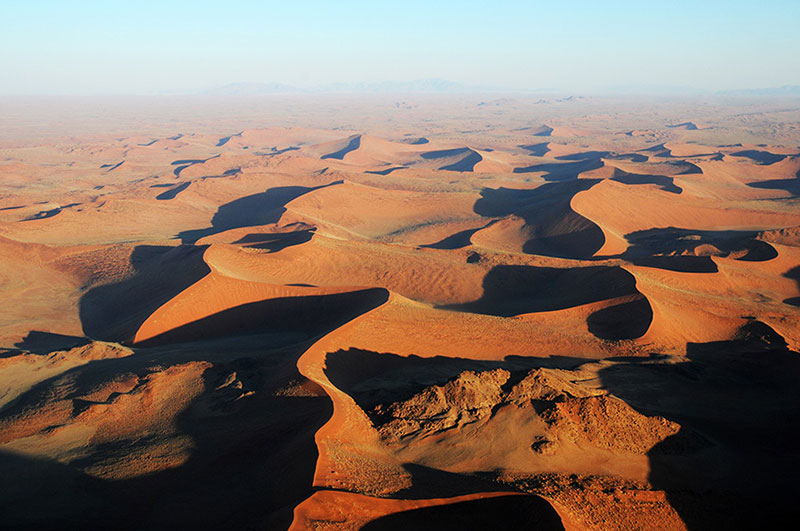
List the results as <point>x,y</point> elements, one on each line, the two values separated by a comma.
<point>371,313</point>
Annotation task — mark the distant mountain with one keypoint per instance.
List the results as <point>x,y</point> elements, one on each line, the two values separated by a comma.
<point>251,89</point>
<point>419,86</point>
<point>786,90</point>
<point>416,86</point>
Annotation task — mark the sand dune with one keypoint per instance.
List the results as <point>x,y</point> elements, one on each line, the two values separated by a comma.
<point>450,513</point>
<point>360,211</point>
<point>687,126</point>
<point>537,150</point>
<point>217,305</point>
<point>402,315</point>
<point>543,221</point>
<point>459,159</point>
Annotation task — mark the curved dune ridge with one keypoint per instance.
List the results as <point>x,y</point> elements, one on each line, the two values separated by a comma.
<point>688,126</point>
<point>406,323</point>
<point>540,221</point>
<point>459,159</point>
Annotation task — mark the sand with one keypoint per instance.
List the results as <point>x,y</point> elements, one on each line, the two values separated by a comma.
<point>360,314</point>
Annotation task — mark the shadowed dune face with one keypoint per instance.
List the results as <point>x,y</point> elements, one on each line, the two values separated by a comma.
<point>182,164</point>
<point>43,343</point>
<point>627,320</point>
<point>173,192</point>
<point>522,512</point>
<point>666,183</point>
<point>274,242</point>
<point>564,171</point>
<point>795,275</point>
<point>458,240</point>
<point>544,130</point>
<point>515,290</point>
<point>308,316</point>
<point>352,145</point>
<point>250,211</point>
<point>552,227</point>
<point>791,185</point>
<point>387,171</point>
<point>691,251</point>
<point>764,158</point>
<point>44,214</point>
<point>374,379</point>
<point>738,393</point>
<point>686,168</point>
<point>688,126</point>
<point>113,312</point>
<point>468,158</point>
<point>659,150</point>
<point>537,150</point>
<point>633,157</point>
<point>247,420</point>
<point>416,141</point>
<point>585,155</point>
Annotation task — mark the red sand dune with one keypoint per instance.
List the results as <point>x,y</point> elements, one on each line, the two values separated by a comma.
<point>402,316</point>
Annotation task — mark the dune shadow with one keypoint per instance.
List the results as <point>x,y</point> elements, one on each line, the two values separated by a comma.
<point>794,274</point>
<point>428,482</point>
<point>762,158</point>
<point>730,465</point>
<point>44,214</point>
<point>173,192</point>
<point>43,343</point>
<point>225,139</point>
<point>686,167</point>
<point>658,150</point>
<point>465,164</point>
<point>309,316</point>
<point>679,264</point>
<point>688,126</point>
<point>251,211</point>
<point>511,512</point>
<point>537,150</point>
<point>182,164</point>
<point>251,459</point>
<point>458,240</point>
<point>552,227</point>
<point>252,452</point>
<point>665,183</point>
<point>633,157</point>
<point>690,251</point>
<point>791,185</point>
<point>275,151</point>
<point>381,378</point>
<point>563,171</point>
<point>387,171</point>
<point>584,155</point>
<point>544,130</point>
<point>628,320</point>
<point>510,290</point>
<point>276,241</point>
<point>114,312</point>
<point>352,145</point>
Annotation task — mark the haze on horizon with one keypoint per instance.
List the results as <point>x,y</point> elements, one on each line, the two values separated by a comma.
<point>150,47</point>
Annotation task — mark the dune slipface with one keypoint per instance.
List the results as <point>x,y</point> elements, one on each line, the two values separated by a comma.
<point>520,314</point>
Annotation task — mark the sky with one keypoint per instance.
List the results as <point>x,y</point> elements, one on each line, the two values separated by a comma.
<point>146,47</point>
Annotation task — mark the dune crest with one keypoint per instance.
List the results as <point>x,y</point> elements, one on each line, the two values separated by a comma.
<point>450,312</point>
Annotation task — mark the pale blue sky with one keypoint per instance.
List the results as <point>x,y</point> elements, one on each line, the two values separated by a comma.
<point>65,47</point>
